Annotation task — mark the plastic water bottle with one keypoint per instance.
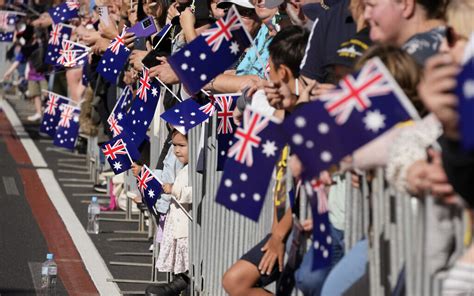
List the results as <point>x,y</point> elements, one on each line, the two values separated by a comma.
<point>49,272</point>
<point>93,212</point>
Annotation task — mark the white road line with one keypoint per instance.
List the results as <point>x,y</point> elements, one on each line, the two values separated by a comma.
<point>93,262</point>
<point>30,147</point>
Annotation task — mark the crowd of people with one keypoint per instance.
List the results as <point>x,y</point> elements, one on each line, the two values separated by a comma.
<point>300,50</point>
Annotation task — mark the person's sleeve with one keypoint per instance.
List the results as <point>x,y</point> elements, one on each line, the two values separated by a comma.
<point>459,167</point>
<point>311,66</point>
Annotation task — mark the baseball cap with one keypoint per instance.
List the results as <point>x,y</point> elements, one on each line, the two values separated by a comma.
<point>228,3</point>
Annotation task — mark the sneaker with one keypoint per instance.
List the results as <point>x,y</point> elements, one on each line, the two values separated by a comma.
<point>34,117</point>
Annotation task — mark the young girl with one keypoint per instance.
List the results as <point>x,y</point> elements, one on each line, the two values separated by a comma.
<point>173,256</point>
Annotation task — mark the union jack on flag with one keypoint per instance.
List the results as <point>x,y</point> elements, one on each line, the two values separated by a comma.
<point>223,30</point>
<point>210,107</point>
<point>52,104</point>
<point>118,42</point>
<point>66,116</point>
<point>226,105</point>
<point>55,34</point>
<point>354,92</point>
<point>111,151</point>
<point>73,5</point>
<point>247,137</point>
<point>144,84</point>
<point>115,127</point>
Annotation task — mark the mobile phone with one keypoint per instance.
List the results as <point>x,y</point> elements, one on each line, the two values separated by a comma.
<point>104,14</point>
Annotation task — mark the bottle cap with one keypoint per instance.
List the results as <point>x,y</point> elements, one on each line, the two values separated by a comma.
<point>94,199</point>
<point>49,256</point>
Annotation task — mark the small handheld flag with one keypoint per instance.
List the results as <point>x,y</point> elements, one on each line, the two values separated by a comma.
<point>114,58</point>
<point>68,127</point>
<point>52,113</point>
<point>184,115</point>
<point>213,52</point>
<point>120,152</point>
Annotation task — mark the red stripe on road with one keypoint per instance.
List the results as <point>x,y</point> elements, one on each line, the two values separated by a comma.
<point>71,269</point>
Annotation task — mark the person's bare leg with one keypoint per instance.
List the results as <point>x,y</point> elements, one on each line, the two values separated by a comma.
<point>37,102</point>
<point>240,280</point>
<point>74,82</point>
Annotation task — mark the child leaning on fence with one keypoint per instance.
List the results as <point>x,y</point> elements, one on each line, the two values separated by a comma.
<point>173,255</point>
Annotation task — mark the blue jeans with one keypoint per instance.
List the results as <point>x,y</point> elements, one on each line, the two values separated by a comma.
<point>348,271</point>
<point>311,281</point>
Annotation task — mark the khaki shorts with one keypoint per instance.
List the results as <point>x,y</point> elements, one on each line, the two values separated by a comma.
<point>35,87</point>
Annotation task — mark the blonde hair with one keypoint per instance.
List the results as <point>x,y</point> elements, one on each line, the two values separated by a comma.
<point>459,15</point>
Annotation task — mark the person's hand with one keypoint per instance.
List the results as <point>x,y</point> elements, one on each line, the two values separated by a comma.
<point>437,178</point>
<point>436,92</point>
<point>90,37</point>
<point>187,19</point>
<point>164,72</point>
<point>237,116</point>
<point>320,89</point>
<point>167,187</point>
<point>305,94</point>
<point>136,169</point>
<point>424,178</point>
<point>136,58</point>
<point>172,12</point>
<point>100,46</point>
<point>274,251</point>
<point>128,77</point>
<point>295,166</point>
<point>43,21</point>
<point>129,39</point>
<point>307,225</point>
<point>108,31</point>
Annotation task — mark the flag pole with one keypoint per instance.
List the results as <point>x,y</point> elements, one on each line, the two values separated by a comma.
<point>172,93</point>
<point>163,37</point>
<point>172,197</point>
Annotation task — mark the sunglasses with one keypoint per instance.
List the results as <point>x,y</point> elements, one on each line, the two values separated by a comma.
<point>243,11</point>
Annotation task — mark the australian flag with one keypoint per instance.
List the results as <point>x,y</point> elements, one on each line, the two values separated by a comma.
<point>322,239</point>
<point>6,36</point>
<point>52,113</point>
<point>184,115</point>
<point>59,32</point>
<point>465,93</point>
<point>149,187</point>
<point>361,108</point>
<point>251,158</point>
<point>114,59</point>
<point>120,152</point>
<point>118,114</point>
<point>68,127</point>
<point>64,11</point>
<point>143,107</point>
<point>213,52</point>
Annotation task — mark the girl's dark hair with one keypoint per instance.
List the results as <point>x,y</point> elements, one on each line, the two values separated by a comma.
<point>288,47</point>
<point>435,9</point>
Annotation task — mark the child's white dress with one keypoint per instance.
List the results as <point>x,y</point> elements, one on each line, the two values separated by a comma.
<point>173,255</point>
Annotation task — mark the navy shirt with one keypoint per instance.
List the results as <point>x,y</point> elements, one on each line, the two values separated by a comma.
<point>332,27</point>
